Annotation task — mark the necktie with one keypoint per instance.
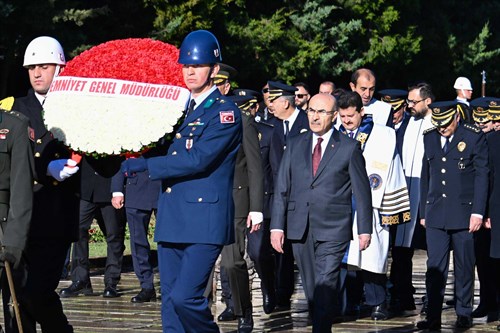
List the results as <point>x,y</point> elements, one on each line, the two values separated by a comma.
<point>287,129</point>
<point>446,145</point>
<point>351,135</point>
<point>190,109</point>
<point>316,156</point>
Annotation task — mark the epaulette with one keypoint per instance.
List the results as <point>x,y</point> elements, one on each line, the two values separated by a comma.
<point>430,130</point>
<point>211,101</point>
<point>472,128</point>
<point>7,103</point>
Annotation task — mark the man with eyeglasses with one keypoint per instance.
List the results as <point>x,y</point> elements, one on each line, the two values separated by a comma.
<point>288,123</point>
<point>363,82</point>
<point>264,113</point>
<point>454,192</point>
<point>410,236</point>
<point>320,171</point>
<point>302,95</point>
<point>390,200</point>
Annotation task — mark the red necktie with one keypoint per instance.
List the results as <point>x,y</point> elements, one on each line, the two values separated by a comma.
<point>317,156</point>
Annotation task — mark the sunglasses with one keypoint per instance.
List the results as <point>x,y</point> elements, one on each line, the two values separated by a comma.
<point>301,95</point>
<point>265,90</point>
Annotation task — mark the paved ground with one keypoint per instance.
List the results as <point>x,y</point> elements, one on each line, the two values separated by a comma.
<point>94,314</point>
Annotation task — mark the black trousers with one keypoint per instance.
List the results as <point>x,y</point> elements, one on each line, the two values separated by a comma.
<point>115,234</point>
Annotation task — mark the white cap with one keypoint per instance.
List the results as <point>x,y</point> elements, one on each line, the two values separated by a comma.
<point>462,83</point>
<point>44,50</point>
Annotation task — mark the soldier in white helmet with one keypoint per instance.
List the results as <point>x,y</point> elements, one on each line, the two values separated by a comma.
<point>54,223</point>
<point>463,88</point>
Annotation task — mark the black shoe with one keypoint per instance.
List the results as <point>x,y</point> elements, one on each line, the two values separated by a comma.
<point>227,315</point>
<point>245,323</point>
<point>380,312</point>
<point>450,302</point>
<point>423,310</point>
<point>145,295</point>
<point>431,325</point>
<point>110,292</point>
<point>268,303</point>
<point>283,306</point>
<point>77,288</point>
<point>498,328</point>
<point>463,322</point>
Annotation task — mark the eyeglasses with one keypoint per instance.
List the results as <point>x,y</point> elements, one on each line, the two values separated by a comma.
<point>321,112</point>
<point>409,101</point>
<point>300,95</point>
<point>265,90</point>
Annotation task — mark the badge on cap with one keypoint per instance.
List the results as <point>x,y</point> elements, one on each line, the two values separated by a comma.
<point>461,146</point>
<point>226,117</point>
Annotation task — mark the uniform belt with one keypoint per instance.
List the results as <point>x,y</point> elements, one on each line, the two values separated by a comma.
<point>4,197</point>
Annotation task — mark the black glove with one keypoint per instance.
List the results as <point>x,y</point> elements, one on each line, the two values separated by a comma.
<point>12,255</point>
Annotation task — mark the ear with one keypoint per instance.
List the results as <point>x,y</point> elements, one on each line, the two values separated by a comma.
<point>334,116</point>
<point>215,70</point>
<point>353,86</point>
<point>362,111</point>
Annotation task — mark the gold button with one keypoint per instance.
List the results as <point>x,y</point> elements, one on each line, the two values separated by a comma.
<point>168,190</point>
<point>239,187</point>
<point>178,135</point>
<point>443,182</point>
<point>39,141</point>
<point>55,183</point>
<point>200,199</point>
<point>56,155</point>
<point>444,159</point>
<point>37,154</point>
<point>174,153</point>
<point>190,134</point>
<point>35,182</point>
<point>444,195</point>
<point>443,170</point>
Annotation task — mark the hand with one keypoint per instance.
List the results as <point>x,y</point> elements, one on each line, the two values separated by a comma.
<point>364,241</point>
<point>254,221</point>
<point>62,169</point>
<point>117,201</point>
<point>132,165</point>
<point>277,240</point>
<point>487,223</point>
<point>12,255</point>
<point>475,223</point>
<point>422,222</point>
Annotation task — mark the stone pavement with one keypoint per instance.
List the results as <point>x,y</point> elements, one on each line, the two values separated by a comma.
<point>94,314</point>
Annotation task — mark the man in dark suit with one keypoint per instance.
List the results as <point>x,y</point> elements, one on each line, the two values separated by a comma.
<point>454,192</point>
<point>312,206</point>
<point>16,193</point>
<point>288,122</point>
<point>54,222</point>
<point>195,209</point>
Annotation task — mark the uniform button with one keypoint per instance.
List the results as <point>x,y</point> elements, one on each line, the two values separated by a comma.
<point>4,219</point>
<point>443,182</point>
<point>200,199</point>
<point>443,170</point>
<point>190,134</point>
<point>193,129</point>
<point>178,135</point>
<point>56,155</point>
<point>444,195</point>
<point>55,183</point>
<point>174,153</point>
<point>168,190</point>
<point>266,193</point>
<point>443,159</point>
<point>37,154</point>
<point>39,141</point>
<point>95,173</point>
<point>35,182</point>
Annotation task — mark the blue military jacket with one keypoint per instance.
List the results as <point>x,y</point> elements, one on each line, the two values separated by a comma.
<point>454,184</point>
<point>196,204</point>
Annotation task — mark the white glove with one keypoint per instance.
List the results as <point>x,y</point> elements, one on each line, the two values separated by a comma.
<point>62,169</point>
<point>257,217</point>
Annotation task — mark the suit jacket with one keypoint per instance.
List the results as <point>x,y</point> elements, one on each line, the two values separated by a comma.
<point>96,174</point>
<point>248,185</point>
<point>196,203</point>
<point>16,180</point>
<point>322,202</point>
<point>300,125</point>
<point>56,204</point>
<point>454,185</point>
<point>265,136</point>
<point>493,139</point>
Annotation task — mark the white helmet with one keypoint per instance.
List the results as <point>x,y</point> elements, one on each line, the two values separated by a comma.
<point>462,83</point>
<point>44,50</point>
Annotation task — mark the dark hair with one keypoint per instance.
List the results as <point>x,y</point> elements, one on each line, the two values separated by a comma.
<point>362,71</point>
<point>425,90</point>
<point>349,99</point>
<point>303,85</point>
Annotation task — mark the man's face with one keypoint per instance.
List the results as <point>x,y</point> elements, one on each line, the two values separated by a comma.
<point>301,97</point>
<point>318,122</point>
<point>449,129</point>
<point>417,105</point>
<point>496,125</point>
<point>467,93</point>
<point>351,118</point>
<point>398,115</point>
<point>326,89</point>
<point>197,76</point>
<point>485,127</point>
<point>41,77</point>
<point>365,87</point>
<point>265,96</point>
<point>224,87</point>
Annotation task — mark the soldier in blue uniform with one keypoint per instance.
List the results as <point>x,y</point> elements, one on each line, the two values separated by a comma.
<point>195,209</point>
<point>454,192</point>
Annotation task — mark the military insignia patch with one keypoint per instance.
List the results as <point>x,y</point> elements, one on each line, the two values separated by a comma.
<point>375,181</point>
<point>461,146</point>
<point>189,144</point>
<point>31,133</point>
<point>3,133</point>
<point>226,117</point>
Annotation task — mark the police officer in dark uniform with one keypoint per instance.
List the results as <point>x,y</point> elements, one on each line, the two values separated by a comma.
<point>16,192</point>
<point>195,209</point>
<point>54,223</point>
<point>454,192</point>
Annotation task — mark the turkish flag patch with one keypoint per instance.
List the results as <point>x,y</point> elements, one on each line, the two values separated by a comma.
<point>226,117</point>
